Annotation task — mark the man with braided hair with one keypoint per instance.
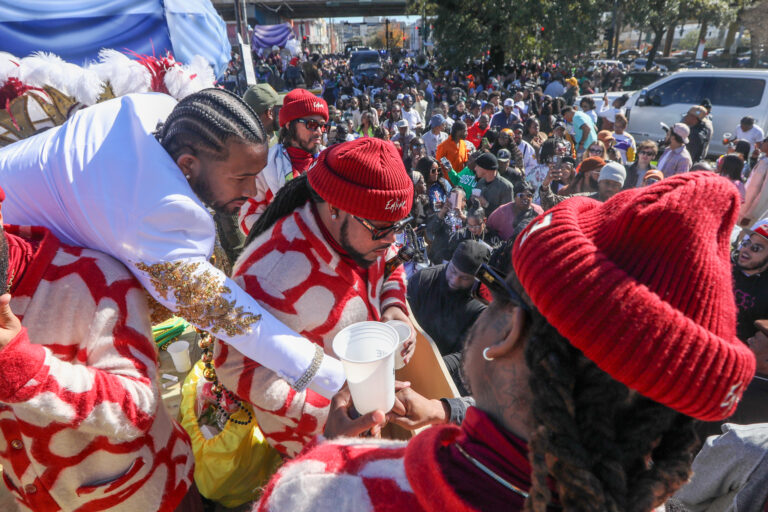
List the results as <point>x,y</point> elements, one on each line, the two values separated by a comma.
<point>302,123</point>
<point>109,179</point>
<point>571,414</point>
<point>317,260</point>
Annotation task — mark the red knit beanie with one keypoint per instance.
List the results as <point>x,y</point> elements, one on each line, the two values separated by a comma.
<point>647,289</point>
<point>301,103</point>
<point>365,177</point>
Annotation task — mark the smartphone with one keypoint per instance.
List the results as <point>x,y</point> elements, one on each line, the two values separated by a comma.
<point>446,163</point>
<point>453,199</point>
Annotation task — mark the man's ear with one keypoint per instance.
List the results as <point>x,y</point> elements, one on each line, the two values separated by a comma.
<point>513,339</point>
<point>189,165</point>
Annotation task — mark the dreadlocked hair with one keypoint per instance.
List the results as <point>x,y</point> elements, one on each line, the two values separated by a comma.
<point>294,194</point>
<point>205,121</point>
<point>608,449</point>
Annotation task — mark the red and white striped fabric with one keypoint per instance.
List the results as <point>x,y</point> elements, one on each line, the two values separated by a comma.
<point>82,425</point>
<point>343,475</point>
<point>295,274</point>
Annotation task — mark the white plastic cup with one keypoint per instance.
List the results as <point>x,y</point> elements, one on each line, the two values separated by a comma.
<point>179,351</point>
<point>367,353</point>
<point>403,333</point>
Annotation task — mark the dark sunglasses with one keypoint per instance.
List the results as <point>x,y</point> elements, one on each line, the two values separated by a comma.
<point>524,194</point>
<point>648,153</point>
<point>312,125</point>
<point>496,283</point>
<point>379,233</point>
<point>596,151</point>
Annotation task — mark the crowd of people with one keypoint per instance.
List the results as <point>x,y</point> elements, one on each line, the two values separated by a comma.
<point>600,303</point>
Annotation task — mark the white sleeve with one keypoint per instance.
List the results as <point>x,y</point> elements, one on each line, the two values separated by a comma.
<point>176,240</point>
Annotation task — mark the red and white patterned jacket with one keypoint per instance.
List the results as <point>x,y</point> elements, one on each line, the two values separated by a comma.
<point>296,275</point>
<point>82,425</point>
<point>269,181</point>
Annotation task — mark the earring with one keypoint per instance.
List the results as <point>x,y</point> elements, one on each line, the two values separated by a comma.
<point>334,216</point>
<point>186,176</point>
<point>485,354</point>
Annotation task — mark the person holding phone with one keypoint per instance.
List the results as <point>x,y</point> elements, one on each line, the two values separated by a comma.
<point>494,190</point>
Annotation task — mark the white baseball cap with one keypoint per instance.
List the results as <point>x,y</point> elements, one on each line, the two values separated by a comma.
<point>509,102</point>
<point>682,130</point>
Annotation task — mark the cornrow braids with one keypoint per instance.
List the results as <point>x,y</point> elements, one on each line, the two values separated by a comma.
<point>295,194</point>
<point>205,121</point>
<point>595,437</point>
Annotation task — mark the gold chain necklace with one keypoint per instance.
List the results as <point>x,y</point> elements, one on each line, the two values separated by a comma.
<point>10,281</point>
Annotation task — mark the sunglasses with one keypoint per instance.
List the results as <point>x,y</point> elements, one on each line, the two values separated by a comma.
<point>523,194</point>
<point>647,153</point>
<point>596,151</point>
<point>496,283</point>
<point>651,181</point>
<point>313,125</point>
<point>379,233</point>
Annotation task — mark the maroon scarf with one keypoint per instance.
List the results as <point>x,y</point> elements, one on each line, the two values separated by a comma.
<point>300,160</point>
<point>444,479</point>
<point>20,253</point>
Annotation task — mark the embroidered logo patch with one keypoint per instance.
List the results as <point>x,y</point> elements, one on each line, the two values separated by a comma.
<point>543,223</point>
<point>317,104</point>
<point>732,397</point>
<point>394,205</point>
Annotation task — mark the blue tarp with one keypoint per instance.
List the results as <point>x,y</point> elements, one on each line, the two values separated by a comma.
<point>266,36</point>
<point>76,30</point>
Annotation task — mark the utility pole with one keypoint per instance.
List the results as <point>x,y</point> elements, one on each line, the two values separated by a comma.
<point>244,42</point>
<point>386,33</point>
<point>611,47</point>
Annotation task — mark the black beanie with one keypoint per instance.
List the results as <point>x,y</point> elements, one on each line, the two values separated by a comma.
<point>469,255</point>
<point>487,161</point>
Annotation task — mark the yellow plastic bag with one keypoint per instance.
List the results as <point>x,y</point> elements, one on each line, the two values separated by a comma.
<point>233,466</point>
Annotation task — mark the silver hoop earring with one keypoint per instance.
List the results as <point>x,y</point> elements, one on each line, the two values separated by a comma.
<point>485,354</point>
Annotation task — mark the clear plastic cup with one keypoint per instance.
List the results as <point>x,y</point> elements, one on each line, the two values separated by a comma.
<point>367,353</point>
<point>403,333</point>
<point>179,351</point>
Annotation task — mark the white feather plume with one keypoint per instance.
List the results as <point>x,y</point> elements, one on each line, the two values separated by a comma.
<point>183,80</point>
<point>123,74</point>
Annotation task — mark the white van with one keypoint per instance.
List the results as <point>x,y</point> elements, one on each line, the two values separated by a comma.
<point>734,93</point>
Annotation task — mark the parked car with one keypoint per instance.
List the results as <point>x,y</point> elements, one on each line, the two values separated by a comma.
<point>696,64</point>
<point>364,57</point>
<point>368,70</point>
<point>627,56</point>
<point>593,64</point>
<point>734,93</point>
<point>640,63</point>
